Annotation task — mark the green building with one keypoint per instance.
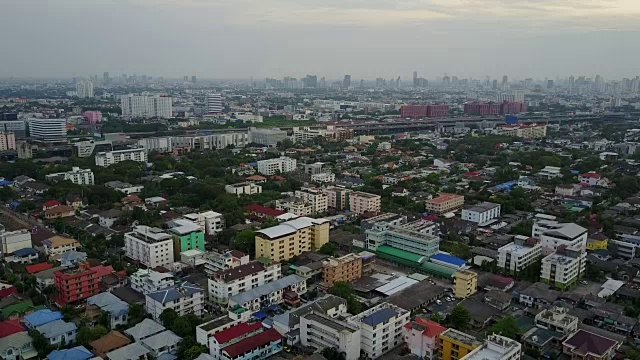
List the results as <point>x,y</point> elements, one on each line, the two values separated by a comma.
<point>187,235</point>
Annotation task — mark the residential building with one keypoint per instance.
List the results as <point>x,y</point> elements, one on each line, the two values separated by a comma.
<point>421,337</point>
<point>553,234</point>
<point>550,172</point>
<point>150,246</point>
<point>454,344</point>
<point>109,217</point>
<point>48,130</point>
<point>57,245</point>
<point>17,346</point>
<point>525,131</point>
<point>214,104</point>
<point>245,341</point>
<point>291,238</point>
<point>598,241</point>
<point>158,144</point>
<point>243,188</point>
<point>557,319</point>
<point>481,213</point>
<point>496,347</point>
<point>18,127</point>
<point>381,328</point>
<point>84,89</point>
<point>327,177</point>
<point>587,345</point>
<point>337,197</point>
<point>223,260</point>
<point>185,298</point>
<point>187,235</point>
<point>211,221</point>
<point>444,203</point>
<point>75,284</point>
<point>465,283</point>
<point>108,158</point>
<point>146,106</point>
<point>320,331</point>
<point>346,268</point>
<point>12,241</point>
<point>7,141</point>
<point>315,197</point>
<point>280,165</point>
<point>361,203</point>
<point>285,290</point>
<point>163,343</point>
<point>266,137</point>
<point>593,179</point>
<point>211,142</point>
<point>116,309</point>
<point>90,147</point>
<point>132,351</point>
<point>60,211</point>
<point>123,187</point>
<point>229,282</point>
<point>383,234</point>
<point>295,206</point>
<point>111,341</point>
<point>92,117</point>
<point>144,329</point>
<point>563,268</point>
<point>147,281</point>
<point>520,254</point>
<point>41,317</point>
<point>76,175</point>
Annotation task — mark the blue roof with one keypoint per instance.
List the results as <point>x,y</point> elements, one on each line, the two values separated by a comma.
<point>42,317</point>
<point>5,182</point>
<point>76,353</point>
<point>379,316</point>
<point>56,328</point>
<point>171,293</point>
<point>25,252</point>
<point>259,315</point>
<point>448,259</point>
<point>110,303</point>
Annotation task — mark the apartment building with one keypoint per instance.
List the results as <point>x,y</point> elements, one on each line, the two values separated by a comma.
<point>146,281</point>
<point>215,261</point>
<point>108,158</point>
<point>11,241</point>
<point>243,188</point>
<point>361,202</point>
<point>187,236</point>
<point>421,337</point>
<point>150,246</point>
<point>159,144</point>
<point>211,221</point>
<point>185,298</point>
<point>314,196</point>
<point>465,283</point>
<point>381,328</point>
<point>75,284</point>
<point>266,137</point>
<point>337,197</point>
<point>284,290</point>
<point>210,142</point>
<point>291,238</point>
<point>346,268</point>
<point>58,245</point>
<point>146,106</point>
<point>295,206</point>
<point>557,319</point>
<point>76,175</point>
<point>496,347</point>
<point>281,165</point>
<point>7,141</point>
<point>525,131</point>
<point>244,341</point>
<point>384,234</point>
<point>320,331</point>
<point>553,234</point>
<point>454,344</point>
<point>481,213</point>
<point>229,282</point>
<point>520,254</point>
<point>444,203</point>
<point>563,268</point>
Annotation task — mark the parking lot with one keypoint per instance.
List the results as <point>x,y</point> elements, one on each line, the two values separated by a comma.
<point>591,288</point>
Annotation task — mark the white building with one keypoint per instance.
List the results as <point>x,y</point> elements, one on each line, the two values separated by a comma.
<point>215,141</point>
<point>84,89</point>
<point>147,281</point>
<point>107,158</point>
<point>150,246</point>
<point>321,331</point>
<point>159,144</point>
<point>282,164</point>
<point>226,283</point>
<point>496,347</point>
<point>14,240</point>
<point>211,221</point>
<point>550,172</point>
<point>481,213</point>
<point>557,319</point>
<point>185,298</point>
<point>315,197</point>
<point>147,106</point>
<point>76,175</point>
<point>215,261</point>
<point>267,137</point>
<point>381,328</point>
<point>48,130</point>
<point>243,188</point>
<point>554,234</point>
<point>563,268</point>
<point>271,293</point>
<point>520,254</point>
<point>214,104</point>
<point>327,177</point>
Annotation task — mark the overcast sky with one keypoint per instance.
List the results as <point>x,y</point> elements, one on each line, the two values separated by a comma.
<point>366,38</point>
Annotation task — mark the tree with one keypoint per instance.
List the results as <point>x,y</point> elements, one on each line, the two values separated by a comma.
<point>507,327</point>
<point>435,317</point>
<point>459,318</point>
<point>188,349</point>
<point>245,241</point>
<point>331,353</point>
<point>344,290</point>
<point>328,248</point>
<point>168,317</point>
<point>136,313</point>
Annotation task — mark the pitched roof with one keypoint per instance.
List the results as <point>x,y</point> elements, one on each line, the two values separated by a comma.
<point>76,353</point>
<point>10,327</point>
<point>130,352</point>
<point>25,252</point>
<point>431,328</point>
<point>145,328</point>
<point>16,340</point>
<point>35,268</point>
<point>450,259</point>
<point>165,338</point>
<point>240,271</point>
<point>111,341</point>
<point>51,203</point>
<point>253,342</point>
<point>56,328</point>
<point>233,332</point>
<point>42,317</point>
<point>184,289</point>
<point>261,209</point>
<point>266,289</point>
<point>585,342</point>
<point>110,303</point>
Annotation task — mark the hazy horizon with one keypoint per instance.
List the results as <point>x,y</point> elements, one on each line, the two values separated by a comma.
<point>239,39</point>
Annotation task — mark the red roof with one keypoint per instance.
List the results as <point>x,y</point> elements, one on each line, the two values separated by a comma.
<point>242,346</point>
<point>10,327</point>
<point>36,268</point>
<point>256,178</point>
<point>502,279</point>
<point>51,203</point>
<point>260,209</point>
<point>233,332</point>
<point>432,328</point>
<point>591,175</point>
<point>102,270</point>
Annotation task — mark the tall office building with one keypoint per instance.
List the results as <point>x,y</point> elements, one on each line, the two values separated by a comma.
<point>84,89</point>
<point>346,82</point>
<point>505,82</point>
<point>310,81</point>
<point>193,79</point>
<point>598,83</point>
<point>572,81</point>
<point>415,79</point>
<point>146,106</point>
<point>48,130</point>
<point>105,76</point>
<point>214,104</point>
<point>549,84</point>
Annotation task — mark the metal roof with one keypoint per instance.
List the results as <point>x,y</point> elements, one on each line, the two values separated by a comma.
<point>379,317</point>
<point>290,227</point>
<point>130,352</point>
<point>145,328</point>
<point>184,289</point>
<point>266,289</point>
<point>396,285</point>
<point>165,338</point>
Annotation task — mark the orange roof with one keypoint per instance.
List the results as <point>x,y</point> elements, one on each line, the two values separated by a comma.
<point>36,268</point>
<point>444,197</point>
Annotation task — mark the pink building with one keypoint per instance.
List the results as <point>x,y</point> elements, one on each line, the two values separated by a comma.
<point>361,202</point>
<point>420,336</point>
<point>7,141</point>
<point>92,117</point>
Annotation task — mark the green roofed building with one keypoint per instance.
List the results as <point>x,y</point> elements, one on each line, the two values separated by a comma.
<point>398,256</point>
<point>437,270</point>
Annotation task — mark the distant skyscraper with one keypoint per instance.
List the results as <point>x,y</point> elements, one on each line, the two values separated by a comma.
<point>323,82</point>
<point>105,76</point>
<point>598,83</point>
<point>361,84</point>
<point>185,78</point>
<point>193,79</point>
<point>505,82</point>
<point>214,104</point>
<point>346,82</point>
<point>572,81</point>
<point>549,84</point>
<point>310,81</point>
<point>415,79</point>
<point>84,89</point>
<point>446,80</point>
<point>146,106</point>
<point>494,85</point>
<point>528,83</point>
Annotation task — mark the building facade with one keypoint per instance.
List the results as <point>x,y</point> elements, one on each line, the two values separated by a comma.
<point>229,282</point>
<point>185,298</point>
<point>481,213</point>
<point>520,254</point>
<point>465,283</point>
<point>444,203</point>
<point>146,106</point>
<point>291,238</point>
<point>454,344</point>
<point>150,246</point>
<point>75,284</point>
<point>7,141</point>
<point>76,175</point>
<point>361,202</point>
<point>243,188</point>
<point>496,347</point>
<point>282,164</point>
<point>48,130</point>
<point>381,328</point>
<point>107,158</point>
<point>346,268</point>
<point>159,144</point>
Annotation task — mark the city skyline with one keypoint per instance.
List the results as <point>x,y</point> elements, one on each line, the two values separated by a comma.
<point>366,39</point>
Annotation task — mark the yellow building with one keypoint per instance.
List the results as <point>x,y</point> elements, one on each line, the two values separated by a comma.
<point>465,283</point>
<point>454,344</point>
<point>346,268</point>
<point>597,241</point>
<point>291,238</point>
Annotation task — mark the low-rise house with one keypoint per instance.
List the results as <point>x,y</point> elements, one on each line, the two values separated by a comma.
<point>113,340</point>
<point>421,337</point>
<point>109,217</point>
<point>134,351</point>
<point>587,345</point>
<point>58,332</point>
<point>75,353</point>
<point>17,346</point>
<point>60,211</point>
<point>185,298</point>
<point>165,342</point>
<point>557,319</point>
<point>498,299</point>
<point>117,310</point>
<point>58,245</point>
<point>41,317</point>
<point>538,295</point>
<point>144,329</point>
